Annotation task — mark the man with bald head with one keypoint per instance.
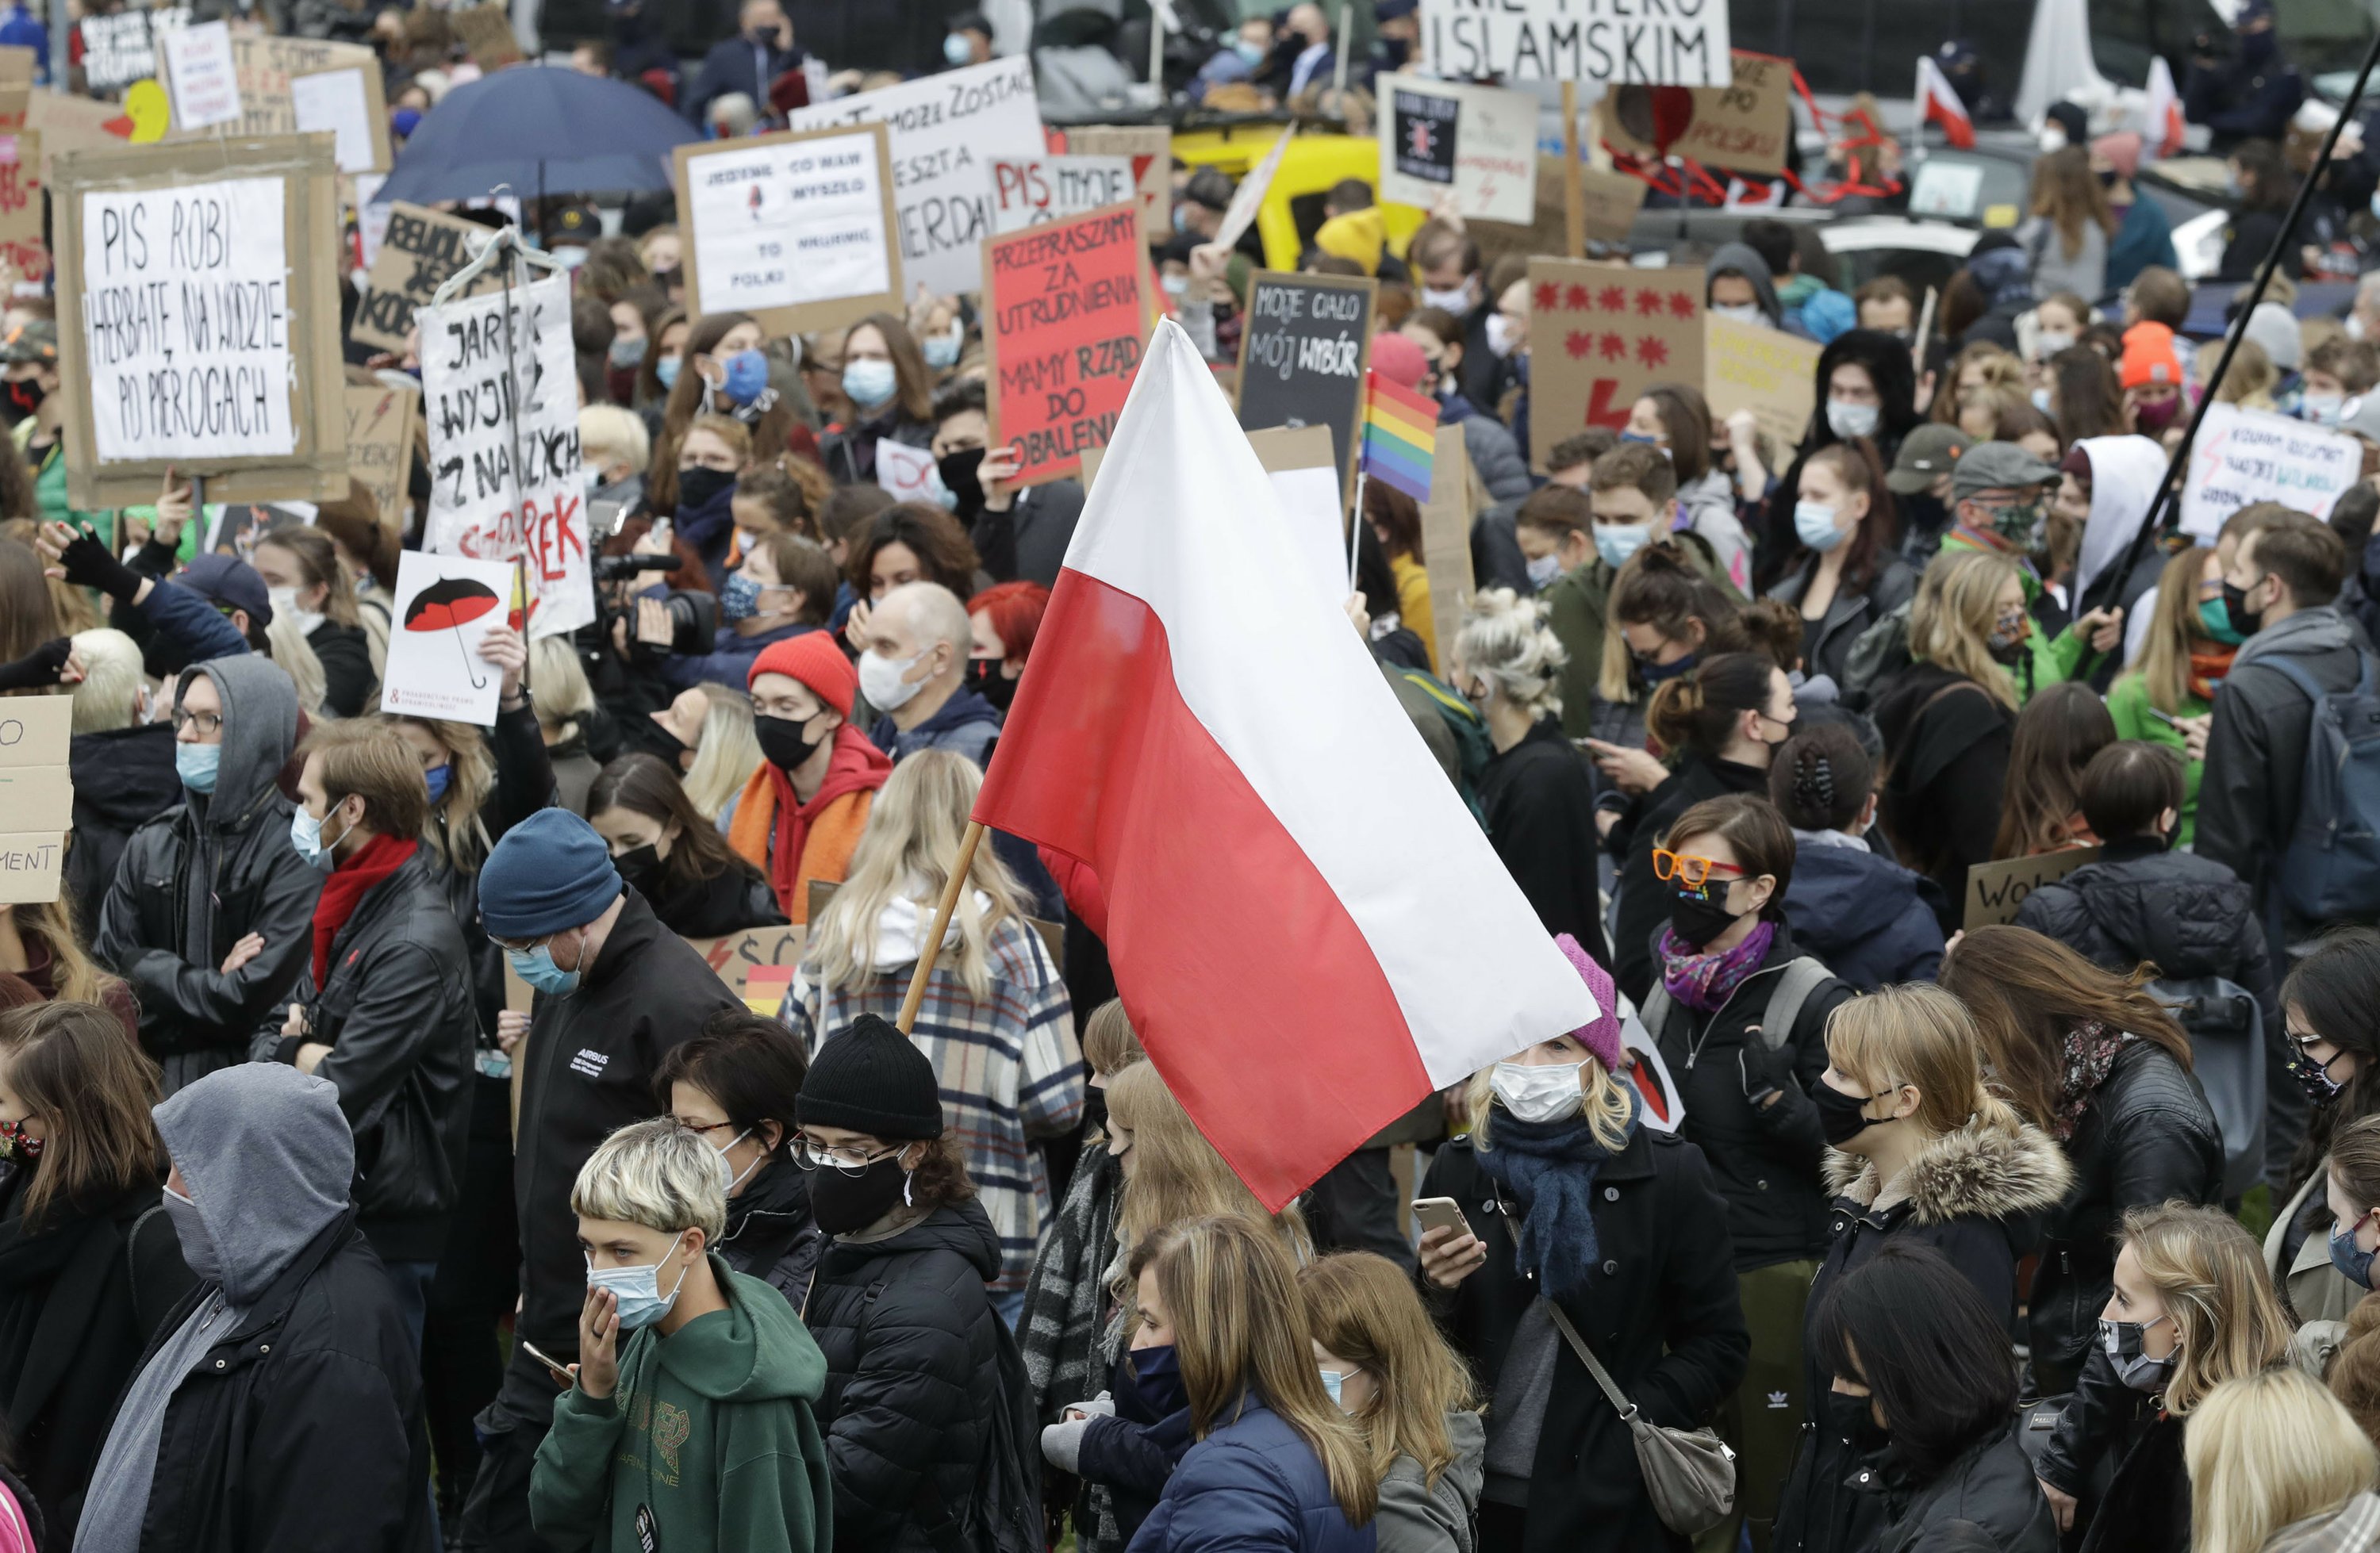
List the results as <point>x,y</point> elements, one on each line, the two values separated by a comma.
<point>915,672</point>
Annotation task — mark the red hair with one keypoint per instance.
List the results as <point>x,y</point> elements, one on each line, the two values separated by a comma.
<point>1016,609</point>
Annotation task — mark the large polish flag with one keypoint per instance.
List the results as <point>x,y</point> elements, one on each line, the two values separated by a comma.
<point>1307,927</point>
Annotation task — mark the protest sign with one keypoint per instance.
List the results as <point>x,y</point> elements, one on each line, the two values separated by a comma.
<point>1446,540</point>
<point>1746,126</point>
<point>1996,890</point>
<point>18,65</point>
<point>907,472</point>
<point>263,65</point>
<point>120,49</point>
<point>1473,142</point>
<point>1248,199</point>
<point>1150,148</point>
<point>945,130</point>
<point>345,103</point>
<point>1031,191</point>
<point>1768,371</point>
<point>202,77</point>
<point>1683,44</point>
<point>2247,455</point>
<point>418,253</point>
<point>202,324</point>
<point>1599,336</point>
<point>68,123</point>
<point>1303,465</point>
<point>1303,352</point>
<point>36,794</point>
<point>500,392</point>
<point>758,965</point>
<point>23,253</point>
<point>1068,313</point>
<point>444,607</point>
<point>381,422</point>
<point>486,33</point>
<point>794,229</point>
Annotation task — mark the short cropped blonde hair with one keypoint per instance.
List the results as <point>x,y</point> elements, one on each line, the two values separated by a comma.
<point>655,1173</point>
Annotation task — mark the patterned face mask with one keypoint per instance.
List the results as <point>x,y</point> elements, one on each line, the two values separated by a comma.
<point>15,1145</point>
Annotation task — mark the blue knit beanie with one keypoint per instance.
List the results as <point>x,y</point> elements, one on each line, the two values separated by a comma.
<point>550,872</point>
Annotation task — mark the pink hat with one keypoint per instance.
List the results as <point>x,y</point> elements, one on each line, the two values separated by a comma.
<point>1399,359</point>
<point>1600,1034</point>
<point>2122,151</point>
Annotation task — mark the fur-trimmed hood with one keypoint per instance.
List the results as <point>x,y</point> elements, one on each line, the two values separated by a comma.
<point>1978,1172</point>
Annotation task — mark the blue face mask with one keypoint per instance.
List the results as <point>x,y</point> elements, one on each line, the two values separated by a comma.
<point>747,376</point>
<point>2355,1262</point>
<point>638,1291</point>
<point>537,970</point>
<point>1544,570</point>
<point>740,600</point>
<point>437,777</point>
<point>1653,673</point>
<point>306,835</point>
<point>942,350</point>
<point>1332,1381</point>
<point>665,371</point>
<point>1255,55</point>
<point>1617,541</point>
<point>958,50</point>
<point>869,383</point>
<point>196,763</point>
<point>1814,523</point>
<point>1157,1376</point>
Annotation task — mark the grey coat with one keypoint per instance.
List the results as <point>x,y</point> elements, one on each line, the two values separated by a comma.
<point>1851,613</point>
<point>1416,1518</point>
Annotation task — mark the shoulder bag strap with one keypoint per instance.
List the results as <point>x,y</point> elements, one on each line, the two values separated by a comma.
<point>1801,977</point>
<point>1620,1402</point>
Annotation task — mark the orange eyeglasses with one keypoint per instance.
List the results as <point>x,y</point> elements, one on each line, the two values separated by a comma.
<point>1687,868</point>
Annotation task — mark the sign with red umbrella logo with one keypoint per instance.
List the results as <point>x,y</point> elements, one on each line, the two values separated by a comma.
<point>445,605</point>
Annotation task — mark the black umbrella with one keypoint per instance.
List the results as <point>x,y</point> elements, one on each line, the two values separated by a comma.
<point>444,605</point>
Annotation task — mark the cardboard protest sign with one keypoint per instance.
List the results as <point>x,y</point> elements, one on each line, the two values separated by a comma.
<point>445,605</point>
<point>18,65</point>
<point>500,392</point>
<point>68,123</point>
<point>794,229</point>
<point>1068,315</point>
<point>758,965</point>
<point>1248,199</point>
<point>945,131</point>
<point>1599,336</point>
<point>345,102</point>
<point>263,65</point>
<point>1473,142</point>
<point>1150,149</point>
<point>1996,890</point>
<point>1768,371</point>
<point>120,49</point>
<point>1745,126</point>
<point>486,32</point>
<point>2247,455</point>
<point>201,320</point>
<point>23,253</point>
<point>1446,540</point>
<point>418,253</point>
<point>202,77</point>
<point>381,422</point>
<point>1303,352</point>
<point>1617,40</point>
<point>1304,466</point>
<point>1030,190</point>
<point>36,794</point>
<point>907,472</point>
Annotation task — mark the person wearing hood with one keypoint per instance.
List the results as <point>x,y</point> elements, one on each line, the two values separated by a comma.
<point>917,1360</point>
<point>913,670</point>
<point>734,1086</point>
<point>1866,388</point>
<point>614,990</point>
<point>1871,920</point>
<point>2143,233</point>
<point>2109,483</point>
<point>690,1425</point>
<point>207,917</point>
<point>2274,327</point>
<point>121,764</point>
<point>802,812</point>
<point>280,1406</point>
<point>1741,288</point>
<point>2278,592</point>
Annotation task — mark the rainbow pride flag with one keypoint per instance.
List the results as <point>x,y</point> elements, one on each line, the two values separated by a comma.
<point>1400,436</point>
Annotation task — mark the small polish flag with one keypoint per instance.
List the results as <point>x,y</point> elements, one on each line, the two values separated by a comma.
<point>2161,127</point>
<point>1743,196</point>
<point>1938,102</point>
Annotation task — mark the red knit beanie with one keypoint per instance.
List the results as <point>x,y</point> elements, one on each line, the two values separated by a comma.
<point>813,659</point>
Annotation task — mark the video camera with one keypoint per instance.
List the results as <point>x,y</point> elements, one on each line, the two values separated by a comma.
<point>693,616</point>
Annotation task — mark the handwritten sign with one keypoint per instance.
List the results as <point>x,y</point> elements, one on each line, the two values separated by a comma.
<point>202,77</point>
<point>36,792</point>
<point>1746,126</point>
<point>794,229</point>
<point>758,965</point>
<point>1030,190</point>
<point>1768,371</point>
<point>2247,455</point>
<point>1996,890</point>
<point>1069,315</point>
<point>120,49</point>
<point>1149,148</point>
<point>445,605</point>
<point>486,32</point>
<point>1680,44</point>
<point>264,65</point>
<point>500,392</point>
<point>945,130</point>
<point>381,422</point>
<point>23,253</point>
<point>1303,352</point>
<point>1473,142</point>
<point>419,252</point>
<point>346,103</point>
<point>907,472</point>
<point>1599,336</point>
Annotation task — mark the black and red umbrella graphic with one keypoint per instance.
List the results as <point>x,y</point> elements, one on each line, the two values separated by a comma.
<point>444,605</point>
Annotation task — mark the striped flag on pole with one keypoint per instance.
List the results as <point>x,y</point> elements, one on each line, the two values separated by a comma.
<point>1400,436</point>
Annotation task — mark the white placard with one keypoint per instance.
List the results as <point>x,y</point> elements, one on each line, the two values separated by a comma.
<point>201,75</point>
<point>1028,191</point>
<point>483,503</point>
<point>945,130</point>
<point>1248,199</point>
<point>1476,142</point>
<point>1624,43</point>
<point>186,316</point>
<point>907,472</point>
<point>120,49</point>
<point>371,216</point>
<point>444,605</point>
<point>337,103</point>
<point>2247,455</point>
<point>782,225</point>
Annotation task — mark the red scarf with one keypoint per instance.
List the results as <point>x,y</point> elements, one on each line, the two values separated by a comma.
<point>381,856</point>
<point>2209,667</point>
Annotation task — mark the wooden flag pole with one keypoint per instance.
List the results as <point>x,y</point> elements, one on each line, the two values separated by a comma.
<point>1574,177</point>
<point>932,950</point>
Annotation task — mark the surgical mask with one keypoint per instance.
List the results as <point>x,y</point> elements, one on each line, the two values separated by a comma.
<point>2134,1368</point>
<point>2041,401</point>
<point>1544,570</point>
<point>436,779</point>
<point>740,598</point>
<point>1696,916</point>
<point>1175,286</point>
<point>199,1252</point>
<point>536,967</point>
<point>2244,620</point>
<point>2323,409</point>
<point>2313,1077</point>
<point>1814,522</point>
<point>1157,1376</point>
<point>639,1290</point>
<point>869,383</point>
<point>306,835</point>
<point>1502,335</point>
<point>285,602</point>
<point>881,680</point>
<point>2355,1262</point>
<point>2216,620</point>
<point>2053,138</point>
<point>784,743</point>
<point>1331,1382</point>
<point>2355,324</point>
<point>1457,301</point>
<point>627,351</point>
<point>1740,312</point>
<point>665,371</point>
<point>730,1177</point>
<point>1615,542</point>
<point>196,764</point>
<point>2048,343</point>
<point>747,377</point>
<point>1247,50</point>
<point>1843,1117</point>
<point>841,1203</point>
<point>942,350</point>
<point>1848,420</point>
<point>956,50</point>
<point>1540,1092</point>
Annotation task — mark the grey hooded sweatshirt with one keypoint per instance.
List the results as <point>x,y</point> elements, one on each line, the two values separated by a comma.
<point>1739,259</point>
<point>267,1156</point>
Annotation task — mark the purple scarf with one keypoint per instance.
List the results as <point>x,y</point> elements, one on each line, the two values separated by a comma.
<point>1703,981</point>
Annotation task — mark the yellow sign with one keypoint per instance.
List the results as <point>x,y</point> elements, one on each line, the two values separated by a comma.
<point>150,110</point>
<point>1768,371</point>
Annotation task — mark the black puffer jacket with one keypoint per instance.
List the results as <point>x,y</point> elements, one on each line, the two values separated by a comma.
<point>912,1348</point>
<point>347,678</point>
<point>1984,1502</point>
<point>2147,1501</point>
<point>770,1233</point>
<point>2190,915</point>
<point>2147,1137</point>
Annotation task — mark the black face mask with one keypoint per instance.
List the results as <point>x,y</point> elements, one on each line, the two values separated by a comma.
<point>1395,50</point>
<point>676,751</point>
<point>2313,1077</point>
<point>1698,917</point>
<point>1854,1419</point>
<point>698,487</point>
<point>1923,512</point>
<point>843,1203</point>
<point>989,683</point>
<point>21,400</point>
<point>1840,1116</point>
<point>641,867</point>
<point>958,472</point>
<point>784,743</point>
<point>2235,609</point>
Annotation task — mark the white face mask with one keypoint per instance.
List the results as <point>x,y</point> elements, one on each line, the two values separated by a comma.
<point>2047,344</point>
<point>1502,335</point>
<point>730,1177</point>
<point>285,603</point>
<point>1457,301</point>
<point>1848,420</point>
<point>2053,137</point>
<point>1536,1092</point>
<point>1740,312</point>
<point>2323,409</point>
<point>881,680</point>
<point>1544,570</point>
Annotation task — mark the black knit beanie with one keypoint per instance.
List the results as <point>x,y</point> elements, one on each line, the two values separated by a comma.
<point>872,1079</point>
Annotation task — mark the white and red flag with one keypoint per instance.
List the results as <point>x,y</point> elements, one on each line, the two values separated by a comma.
<point>2161,126</point>
<point>1938,102</point>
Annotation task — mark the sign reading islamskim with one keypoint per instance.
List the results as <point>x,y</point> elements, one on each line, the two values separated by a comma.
<point>1647,42</point>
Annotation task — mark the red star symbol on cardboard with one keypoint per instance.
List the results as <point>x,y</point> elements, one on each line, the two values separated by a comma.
<point>1614,349</point>
<point>1613,298</point>
<point>1681,305</point>
<point>1548,296</point>
<point>1576,298</point>
<point>1652,351</point>
<point>1648,303</point>
<point>1577,342</point>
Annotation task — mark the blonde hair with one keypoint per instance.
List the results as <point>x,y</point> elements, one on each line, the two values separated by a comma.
<point>109,695</point>
<point>606,432</point>
<point>295,658</point>
<point>913,832</point>
<point>563,696</point>
<point>2249,382</point>
<point>1506,643</point>
<point>1606,1105</point>
<point>75,976</point>
<point>2265,1451</point>
<point>454,834</point>
<point>1176,1174</point>
<point>2174,629</point>
<point>1917,1034</point>
<point>1110,1044</point>
<point>656,1173</point>
<point>1956,608</point>
<point>2209,1275</point>
<point>726,751</point>
<point>1364,1309</point>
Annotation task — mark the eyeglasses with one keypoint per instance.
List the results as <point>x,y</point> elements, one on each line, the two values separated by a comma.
<point>206,721</point>
<point>811,1157</point>
<point>1687,868</point>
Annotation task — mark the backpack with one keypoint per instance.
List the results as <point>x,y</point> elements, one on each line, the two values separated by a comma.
<point>1005,1514</point>
<point>2227,1059</point>
<point>1801,977</point>
<point>2330,869</point>
<point>1877,653</point>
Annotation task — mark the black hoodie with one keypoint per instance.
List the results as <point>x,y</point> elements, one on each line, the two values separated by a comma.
<point>123,778</point>
<point>1886,360</point>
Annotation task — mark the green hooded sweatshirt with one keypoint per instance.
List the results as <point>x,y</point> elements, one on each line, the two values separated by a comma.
<point>710,1434</point>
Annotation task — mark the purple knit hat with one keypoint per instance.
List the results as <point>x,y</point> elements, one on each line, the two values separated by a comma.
<point>1600,1034</point>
